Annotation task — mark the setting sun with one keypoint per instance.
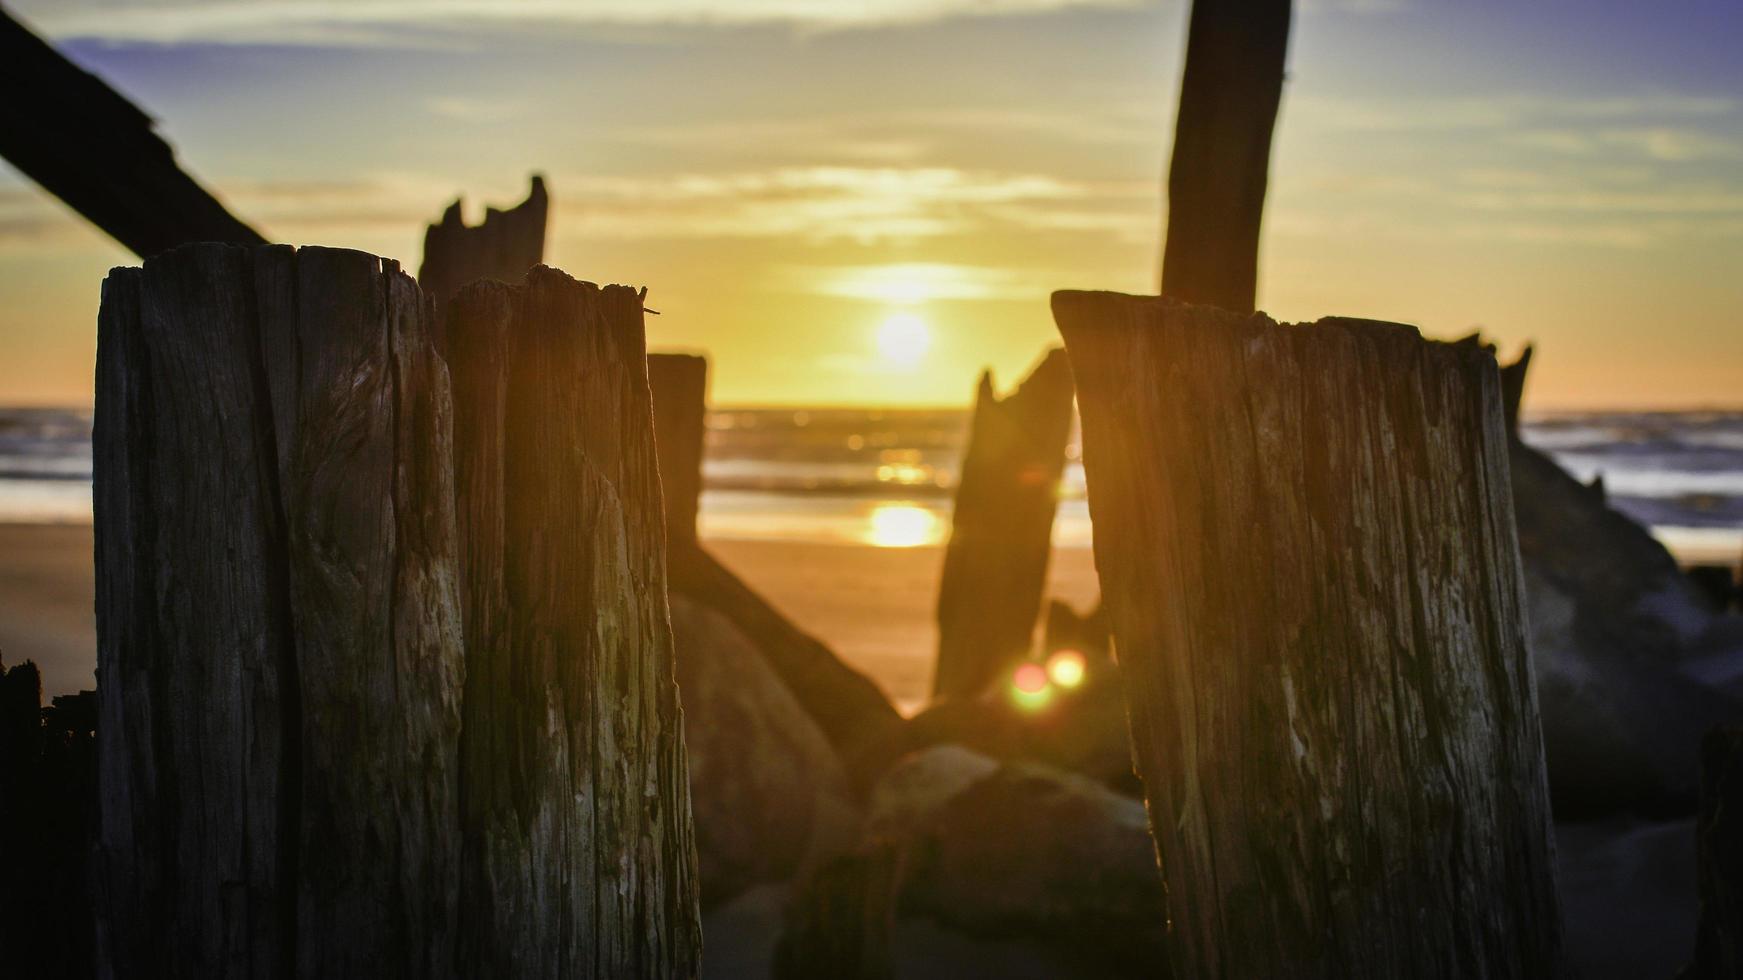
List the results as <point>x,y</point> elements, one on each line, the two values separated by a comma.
<point>903,339</point>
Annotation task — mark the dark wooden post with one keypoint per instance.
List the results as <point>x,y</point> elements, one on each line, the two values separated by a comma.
<point>575,807</point>
<point>1229,93</point>
<point>679,383</point>
<point>995,568</point>
<point>504,247</point>
<point>843,702</point>
<point>1307,551</point>
<point>1719,850</point>
<point>65,129</point>
<point>277,617</point>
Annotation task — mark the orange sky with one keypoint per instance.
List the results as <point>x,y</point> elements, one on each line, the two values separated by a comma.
<point>787,175</point>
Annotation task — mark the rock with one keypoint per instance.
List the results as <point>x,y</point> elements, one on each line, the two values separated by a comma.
<point>1616,634</point>
<point>1009,863</point>
<point>769,793</point>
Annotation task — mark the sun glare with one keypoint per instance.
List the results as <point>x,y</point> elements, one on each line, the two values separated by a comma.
<point>903,339</point>
<point>901,526</point>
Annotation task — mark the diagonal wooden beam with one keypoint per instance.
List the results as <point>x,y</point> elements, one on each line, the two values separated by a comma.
<point>87,145</point>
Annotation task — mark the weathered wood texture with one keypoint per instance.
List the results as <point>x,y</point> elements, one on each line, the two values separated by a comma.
<point>579,855</point>
<point>87,145</point>
<point>1307,552</point>
<point>1719,849</point>
<point>679,383</point>
<point>1229,93</point>
<point>995,567</point>
<point>504,247</point>
<point>846,704</point>
<point>277,617</point>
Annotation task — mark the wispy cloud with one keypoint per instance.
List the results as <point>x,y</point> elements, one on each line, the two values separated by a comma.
<point>918,282</point>
<point>387,21</point>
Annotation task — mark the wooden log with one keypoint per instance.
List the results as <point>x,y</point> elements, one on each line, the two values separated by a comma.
<point>995,567</point>
<point>1307,552</point>
<point>277,619</point>
<point>679,383</point>
<point>579,854</point>
<point>87,145</point>
<point>1719,850</point>
<point>504,247</point>
<point>1229,92</point>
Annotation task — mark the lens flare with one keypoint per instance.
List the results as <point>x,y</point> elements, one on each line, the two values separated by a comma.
<point>1030,688</point>
<point>1067,668</point>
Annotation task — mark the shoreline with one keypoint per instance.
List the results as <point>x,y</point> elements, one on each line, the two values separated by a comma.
<point>873,606</point>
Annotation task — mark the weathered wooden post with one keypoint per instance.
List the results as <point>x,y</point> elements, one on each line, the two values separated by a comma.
<point>344,733</point>
<point>504,247</point>
<point>1307,551</point>
<point>277,617</point>
<point>579,857</point>
<point>995,568</point>
<point>679,383</point>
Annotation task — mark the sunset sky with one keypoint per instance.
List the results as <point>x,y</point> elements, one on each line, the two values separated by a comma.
<point>865,201</point>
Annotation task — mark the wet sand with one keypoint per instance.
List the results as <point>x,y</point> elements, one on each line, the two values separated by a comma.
<point>872,605</point>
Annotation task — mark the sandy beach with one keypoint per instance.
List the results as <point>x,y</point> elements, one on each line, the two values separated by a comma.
<point>873,605</point>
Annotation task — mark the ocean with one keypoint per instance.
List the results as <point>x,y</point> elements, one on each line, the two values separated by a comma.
<point>883,478</point>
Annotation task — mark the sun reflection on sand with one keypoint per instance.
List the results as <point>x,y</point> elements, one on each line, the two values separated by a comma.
<point>901,525</point>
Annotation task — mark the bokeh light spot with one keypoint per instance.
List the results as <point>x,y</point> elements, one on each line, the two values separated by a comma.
<point>1067,668</point>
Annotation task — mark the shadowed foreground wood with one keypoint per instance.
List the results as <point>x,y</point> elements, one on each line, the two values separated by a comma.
<point>277,618</point>
<point>1719,845</point>
<point>1001,534</point>
<point>87,145</point>
<point>504,247</point>
<point>1306,546</point>
<point>575,804</point>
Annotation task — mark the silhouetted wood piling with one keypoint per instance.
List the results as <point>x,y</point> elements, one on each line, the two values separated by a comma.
<point>679,383</point>
<point>845,704</point>
<point>504,247</point>
<point>1229,93</point>
<point>575,801</point>
<point>1307,551</point>
<point>995,568</point>
<point>87,145</point>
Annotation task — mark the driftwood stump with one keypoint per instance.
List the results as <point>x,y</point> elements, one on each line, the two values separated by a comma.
<point>574,802</point>
<point>504,247</point>
<point>287,786</point>
<point>277,616</point>
<point>1306,546</point>
<point>995,568</point>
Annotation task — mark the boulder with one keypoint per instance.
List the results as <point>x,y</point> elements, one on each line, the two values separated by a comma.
<point>769,794</point>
